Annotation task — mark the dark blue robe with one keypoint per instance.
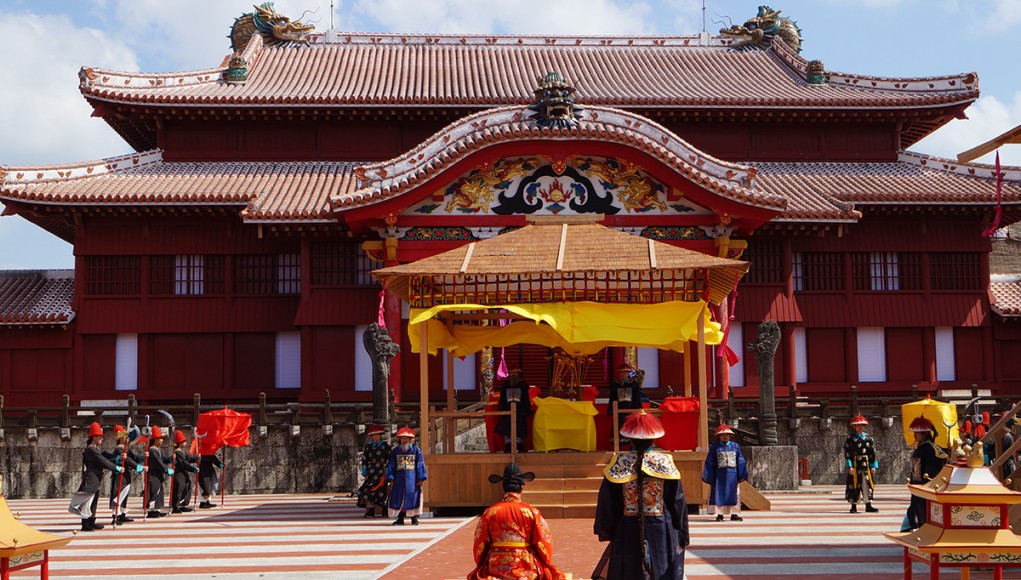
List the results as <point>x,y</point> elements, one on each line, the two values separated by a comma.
<point>406,470</point>
<point>665,521</point>
<point>724,469</point>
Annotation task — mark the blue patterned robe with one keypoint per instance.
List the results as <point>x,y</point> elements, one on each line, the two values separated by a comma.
<point>406,470</point>
<point>724,469</point>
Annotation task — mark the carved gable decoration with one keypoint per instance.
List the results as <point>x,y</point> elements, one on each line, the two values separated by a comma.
<point>542,186</point>
<point>554,103</point>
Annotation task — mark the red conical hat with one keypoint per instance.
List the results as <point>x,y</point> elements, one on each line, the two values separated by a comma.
<point>95,430</point>
<point>859,420</point>
<point>374,429</point>
<point>723,429</point>
<point>921,425</point>
<point>642,425</point>
<point>179,437</point>
<point>405,432</point>
<point>120,431</point>
<point>156,433</point>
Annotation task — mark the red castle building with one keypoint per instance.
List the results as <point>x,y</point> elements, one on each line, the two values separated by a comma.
<point>230,253</point>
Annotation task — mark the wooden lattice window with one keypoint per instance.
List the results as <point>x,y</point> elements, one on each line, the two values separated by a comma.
<point>267,274</point>
<point>818,271</point>
<point>766,257</point>
<point>955,271</point>
<point>341,264</point>
<point>113,275</point>
<point>887,271</point>
<point>186,274</point>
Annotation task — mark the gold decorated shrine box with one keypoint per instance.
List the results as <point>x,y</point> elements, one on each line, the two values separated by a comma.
<point>23,547</point>
<point>967,521</point>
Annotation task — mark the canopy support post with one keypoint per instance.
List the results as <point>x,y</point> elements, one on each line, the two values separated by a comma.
<point>451,425</point>
<point>703,412</point>
<point>423,383</point>
<point>687,369</point>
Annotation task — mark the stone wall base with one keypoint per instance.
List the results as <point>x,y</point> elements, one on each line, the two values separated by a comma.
<point>772,468</point>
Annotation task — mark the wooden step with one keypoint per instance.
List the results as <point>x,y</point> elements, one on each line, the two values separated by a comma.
<point>566,483</point>
<point>752,499</point>
<point>573,497</point>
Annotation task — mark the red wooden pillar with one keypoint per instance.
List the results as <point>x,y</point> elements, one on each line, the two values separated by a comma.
<point>851,355</point>
<point>929,355</point>
<point>790,358</point>
<point>722,379</point>
<point>392,317</point>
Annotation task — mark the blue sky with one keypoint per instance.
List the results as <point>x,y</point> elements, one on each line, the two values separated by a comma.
<point>44,119</point>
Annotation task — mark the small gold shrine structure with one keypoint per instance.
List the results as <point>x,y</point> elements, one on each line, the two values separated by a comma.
<point>21,546</point>
<point>967,521</point>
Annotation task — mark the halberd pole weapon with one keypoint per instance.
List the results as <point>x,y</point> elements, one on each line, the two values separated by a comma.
<point>146,433</point>
<point>173,453</point>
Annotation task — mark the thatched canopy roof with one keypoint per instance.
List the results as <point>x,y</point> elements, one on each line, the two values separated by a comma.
<point>566,260</point>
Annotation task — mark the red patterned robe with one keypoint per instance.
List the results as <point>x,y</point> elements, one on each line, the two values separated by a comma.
<point>513,542</point>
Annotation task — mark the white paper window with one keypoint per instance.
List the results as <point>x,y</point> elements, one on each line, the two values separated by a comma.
<point>735,340</point>
<point>800,355</point>
<point>648,361</point>
<point>798,271</point>
<point>288,359</point>
<point>189,277</point>
<point>946,369</point>
<point>126,363</point>
<point>465,373</point>
<point>871,355</point>
<point>289,274</point>
<point>884,270</point>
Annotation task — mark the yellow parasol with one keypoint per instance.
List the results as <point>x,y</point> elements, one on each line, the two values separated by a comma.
<point>942,415</point>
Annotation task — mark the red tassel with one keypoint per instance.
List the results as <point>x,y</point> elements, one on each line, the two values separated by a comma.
<point>381,319</point>
<point>991,230</point>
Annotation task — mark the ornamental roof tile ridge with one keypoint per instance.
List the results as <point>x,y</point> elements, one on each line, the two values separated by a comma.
<point>941,83</point>
<point>29,174</point>
<point>986,170</point>
<point>412,39</point>
<point>386,179</point>
<point>92,81</point>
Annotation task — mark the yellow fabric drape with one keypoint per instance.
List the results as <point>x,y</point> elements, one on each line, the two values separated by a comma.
<point>562,424</point>
<point>943,417</point>
<point>576,327</point>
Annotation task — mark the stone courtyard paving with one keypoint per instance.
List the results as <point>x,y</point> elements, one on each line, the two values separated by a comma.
<point>807,535</point>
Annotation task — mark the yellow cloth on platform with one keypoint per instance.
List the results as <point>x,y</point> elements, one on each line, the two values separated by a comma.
<point>563,424</point>
<point>576,327</point>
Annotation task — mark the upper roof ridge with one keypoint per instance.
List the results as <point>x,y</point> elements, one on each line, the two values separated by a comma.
<point>405,39</point>
<point>27,174</point>
<point>1009,172</point>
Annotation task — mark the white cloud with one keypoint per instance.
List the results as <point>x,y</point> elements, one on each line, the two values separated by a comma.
<point>40,102</point>
<point>45,120</point>
<point>593,17</point>
<point>192,34</point>
<point>1004,17</point>
<point>987,118</point>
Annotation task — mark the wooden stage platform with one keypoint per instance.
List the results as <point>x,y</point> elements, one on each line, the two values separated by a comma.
<point>566,482</point>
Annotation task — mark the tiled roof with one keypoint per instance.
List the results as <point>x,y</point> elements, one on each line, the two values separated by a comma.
<point>416,70</point>
<point>269,191</point>
<point>311,191</point>
<point>36,297</point>
<point>383,180</point>
<point>824,190</point>
<point>1005,297</point>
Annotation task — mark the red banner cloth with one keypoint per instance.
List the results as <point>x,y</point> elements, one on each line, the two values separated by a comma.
<point>223,428</point>
<point>680,419</point>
